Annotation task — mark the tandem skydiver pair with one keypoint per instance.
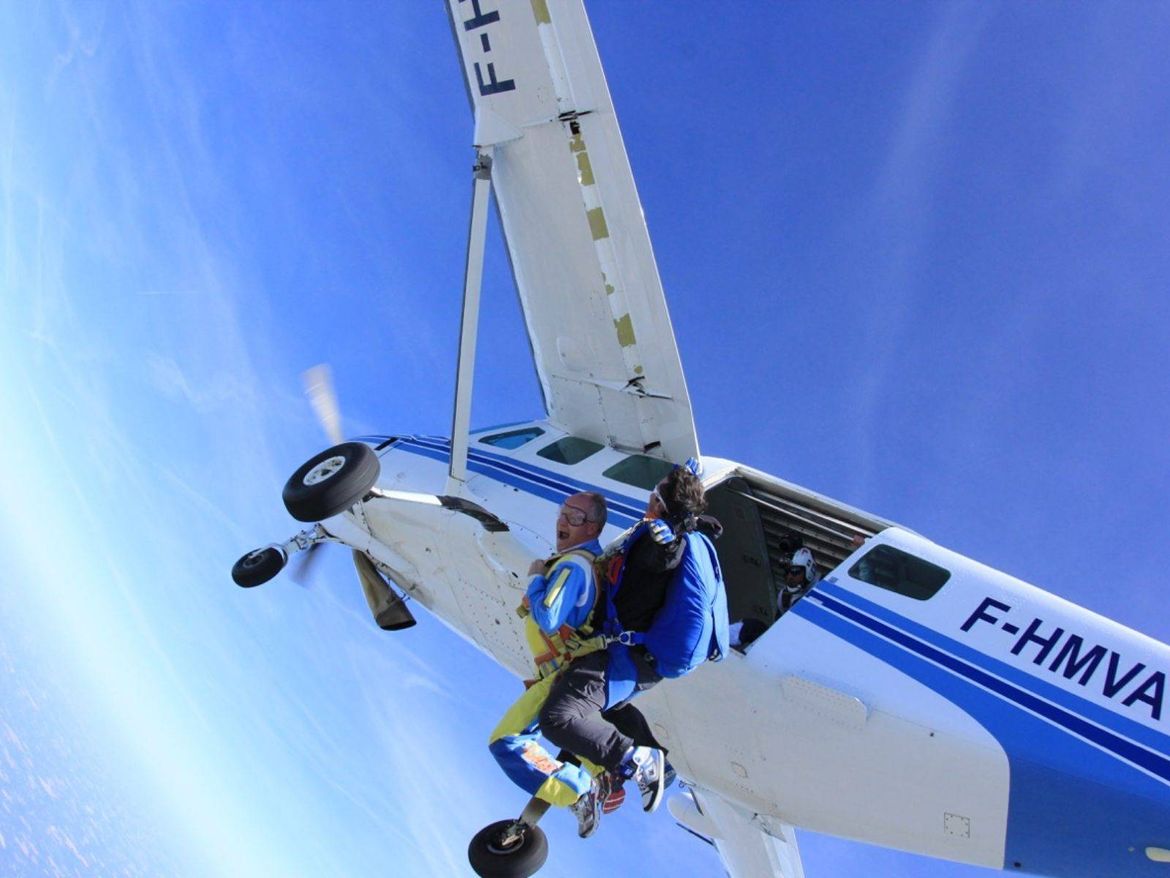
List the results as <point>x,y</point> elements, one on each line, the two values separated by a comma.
<point>602,627</point>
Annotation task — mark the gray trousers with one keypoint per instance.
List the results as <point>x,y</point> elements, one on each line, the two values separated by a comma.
<point>574,717</point>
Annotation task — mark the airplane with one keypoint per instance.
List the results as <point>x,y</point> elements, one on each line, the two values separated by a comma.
<point>925,702</point>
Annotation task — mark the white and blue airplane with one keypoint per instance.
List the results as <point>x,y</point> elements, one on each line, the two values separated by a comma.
<point>913,698</point>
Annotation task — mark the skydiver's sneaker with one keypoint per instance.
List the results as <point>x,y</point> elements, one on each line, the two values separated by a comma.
<point>588,808</point>
<point>646,766</point>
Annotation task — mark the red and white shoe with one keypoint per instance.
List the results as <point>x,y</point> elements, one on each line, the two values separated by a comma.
<point>589,808</point>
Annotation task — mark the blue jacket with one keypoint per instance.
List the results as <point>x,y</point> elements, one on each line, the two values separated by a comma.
<point>565,594</point>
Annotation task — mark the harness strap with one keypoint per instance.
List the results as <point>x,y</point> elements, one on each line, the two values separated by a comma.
<point>627,638</point>
<point>571,641</point>
<point>612,626</point>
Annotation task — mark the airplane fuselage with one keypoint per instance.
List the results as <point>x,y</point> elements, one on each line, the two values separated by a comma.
<point>913,698</point>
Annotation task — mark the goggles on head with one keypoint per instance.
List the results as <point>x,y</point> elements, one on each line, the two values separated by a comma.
<point>657,495</point>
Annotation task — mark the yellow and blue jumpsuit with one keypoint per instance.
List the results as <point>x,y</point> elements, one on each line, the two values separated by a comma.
<point>559,603</point>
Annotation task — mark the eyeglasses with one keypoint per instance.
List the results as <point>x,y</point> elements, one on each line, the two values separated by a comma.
<point>796,571</point>
<point>574,516</point>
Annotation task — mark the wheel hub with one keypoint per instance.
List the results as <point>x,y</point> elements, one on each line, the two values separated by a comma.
<point>324,471</point>
<point>508,840</point>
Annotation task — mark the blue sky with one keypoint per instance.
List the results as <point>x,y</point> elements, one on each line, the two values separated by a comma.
<point>916,257</point>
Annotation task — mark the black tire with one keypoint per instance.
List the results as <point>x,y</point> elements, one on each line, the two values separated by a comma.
<point>491,858</point>
<point>331,482</point>
<point>258,566</point>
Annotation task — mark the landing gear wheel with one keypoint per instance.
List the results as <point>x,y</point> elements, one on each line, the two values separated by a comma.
<point>258,566</point>
<point>331,482</point>
<point>508,849</point>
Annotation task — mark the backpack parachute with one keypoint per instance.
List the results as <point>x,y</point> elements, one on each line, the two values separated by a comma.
<point>691,626</point>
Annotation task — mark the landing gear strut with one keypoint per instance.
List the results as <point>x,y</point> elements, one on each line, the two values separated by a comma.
<point>260,565</point>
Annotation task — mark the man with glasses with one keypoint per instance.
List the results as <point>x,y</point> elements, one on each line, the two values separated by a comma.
<point>558,605</point>
<point>588,710</point>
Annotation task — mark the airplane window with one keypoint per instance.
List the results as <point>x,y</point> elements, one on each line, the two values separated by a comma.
<point>898,571</point>
<point>639,470</point>
<point>570,450</point>
<point>513,438</point>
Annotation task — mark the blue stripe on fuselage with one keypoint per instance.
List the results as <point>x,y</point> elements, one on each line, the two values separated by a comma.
<point>1082,708</point>
<point>623,511</point>
<point>1079,804</point>
<point>622,504</point>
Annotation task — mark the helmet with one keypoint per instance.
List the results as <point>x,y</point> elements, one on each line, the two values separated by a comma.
<point>803,558</point>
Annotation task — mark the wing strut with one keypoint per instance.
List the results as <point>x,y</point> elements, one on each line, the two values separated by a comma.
<point>469,326</point>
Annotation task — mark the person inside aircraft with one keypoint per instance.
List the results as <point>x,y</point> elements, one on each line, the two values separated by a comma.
<point>750,628</point>
<point>799,576</point>
<point>557,605</point>
<point>574,716</point>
